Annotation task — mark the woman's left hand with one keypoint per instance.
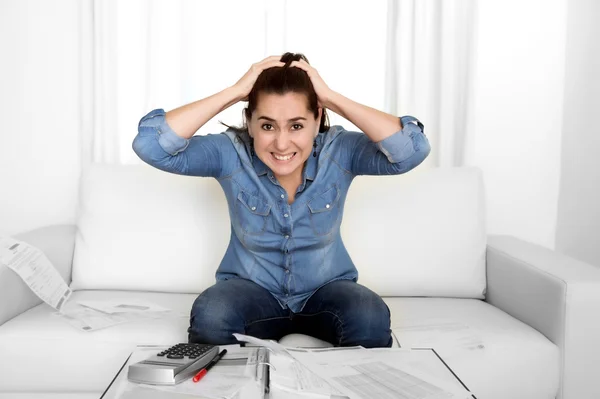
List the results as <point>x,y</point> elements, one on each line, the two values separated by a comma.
<point>323,91</point>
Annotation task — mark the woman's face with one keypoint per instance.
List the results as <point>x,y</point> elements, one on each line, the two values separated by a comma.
<point>284,130</point>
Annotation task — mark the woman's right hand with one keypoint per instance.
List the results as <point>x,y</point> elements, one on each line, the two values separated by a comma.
<point>246,83</point>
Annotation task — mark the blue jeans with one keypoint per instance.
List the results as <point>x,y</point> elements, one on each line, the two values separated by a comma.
<point>342,312</point>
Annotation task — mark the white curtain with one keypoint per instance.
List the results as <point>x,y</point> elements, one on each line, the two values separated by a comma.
<point>403,57</point>
<point>138,55</point>
<point>430,71</point>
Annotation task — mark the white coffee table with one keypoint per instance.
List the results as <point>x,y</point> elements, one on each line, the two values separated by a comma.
<point>437,368</point>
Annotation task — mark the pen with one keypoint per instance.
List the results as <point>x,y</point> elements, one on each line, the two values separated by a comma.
<point>202,372</point>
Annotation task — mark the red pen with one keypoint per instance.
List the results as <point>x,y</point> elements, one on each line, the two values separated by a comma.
<point>203,372</point>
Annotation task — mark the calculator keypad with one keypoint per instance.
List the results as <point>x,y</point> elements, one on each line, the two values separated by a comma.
<point>180,351</point>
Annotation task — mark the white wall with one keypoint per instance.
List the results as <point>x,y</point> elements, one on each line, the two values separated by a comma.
<point>578,226</point>
<point>39,149</point>
<point>518,114</point>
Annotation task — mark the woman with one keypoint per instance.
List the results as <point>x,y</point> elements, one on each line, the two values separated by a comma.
<point>285,174</point>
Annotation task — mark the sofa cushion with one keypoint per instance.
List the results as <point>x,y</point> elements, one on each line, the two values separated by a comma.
<point>140,228</point>
<point>495,355</point>
<point>516,361</point>
<point>74,360</point>
<point>419,234</point>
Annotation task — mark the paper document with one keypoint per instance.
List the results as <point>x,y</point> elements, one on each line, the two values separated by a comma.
<point>87,319</point>
<point>129,308</point>
<point>88,315</point>
<point>272,345</point>
<point>36,271</point>
<point>446,335</point>
<point>123,305</point>
<point>285,372</point>
<point>380,373</point>
<point>288,374</point>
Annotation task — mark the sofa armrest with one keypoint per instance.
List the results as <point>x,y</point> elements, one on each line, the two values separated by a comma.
<point>557,295</point>
<point>58,243</point>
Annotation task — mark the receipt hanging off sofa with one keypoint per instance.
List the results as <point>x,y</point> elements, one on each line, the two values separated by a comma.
<point>40,275</point>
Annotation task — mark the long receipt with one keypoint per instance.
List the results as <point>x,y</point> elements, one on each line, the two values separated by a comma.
<point>36,271</point>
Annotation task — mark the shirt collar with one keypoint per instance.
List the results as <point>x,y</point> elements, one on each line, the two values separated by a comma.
<point>259,166</point>
<point>310,170</point>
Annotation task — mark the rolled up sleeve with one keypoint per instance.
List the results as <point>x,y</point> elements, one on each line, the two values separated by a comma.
<point>201,155</point>
<point>397,154</point>
<point>169,141</point>
<point>403,144</point>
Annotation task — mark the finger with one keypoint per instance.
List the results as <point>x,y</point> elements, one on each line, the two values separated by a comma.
<point>271,60</point>
<point>299,65</point>
<point>272,64</point>
<point>258,68</point>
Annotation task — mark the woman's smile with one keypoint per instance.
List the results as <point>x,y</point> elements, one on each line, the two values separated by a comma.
<point>283,158</point>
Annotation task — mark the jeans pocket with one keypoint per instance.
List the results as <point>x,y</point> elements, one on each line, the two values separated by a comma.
<point>252,213</point>
<point>324,211</point>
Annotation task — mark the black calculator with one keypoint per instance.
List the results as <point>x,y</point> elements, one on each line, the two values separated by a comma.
<point>173,365</point>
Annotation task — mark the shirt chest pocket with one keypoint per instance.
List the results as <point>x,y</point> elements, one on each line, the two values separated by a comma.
<point>324,211</point>
<point>251,213</point>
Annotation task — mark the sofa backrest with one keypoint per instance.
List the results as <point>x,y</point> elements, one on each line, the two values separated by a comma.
<point>417,234</point>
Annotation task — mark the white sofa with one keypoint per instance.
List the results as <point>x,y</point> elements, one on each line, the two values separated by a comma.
<point>531,314</point>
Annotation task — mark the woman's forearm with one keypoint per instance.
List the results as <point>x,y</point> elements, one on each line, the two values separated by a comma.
<point>377,125</point>
<point>187,119</point>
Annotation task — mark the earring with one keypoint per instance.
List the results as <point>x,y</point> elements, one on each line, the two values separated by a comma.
<point>315,147</point>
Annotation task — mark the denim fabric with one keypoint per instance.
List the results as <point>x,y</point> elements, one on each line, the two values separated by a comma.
<point>290,250</point>
<point>342,312</point>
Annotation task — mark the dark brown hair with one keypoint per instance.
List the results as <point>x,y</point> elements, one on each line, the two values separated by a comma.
<point>282,80</point>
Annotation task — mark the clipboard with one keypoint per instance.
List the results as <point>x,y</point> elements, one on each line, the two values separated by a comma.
<point>264,371</point>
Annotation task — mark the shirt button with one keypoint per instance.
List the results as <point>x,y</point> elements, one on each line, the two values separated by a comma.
<point>286,236</point>
<point>254,208</point>
<point>287,271</point>
<point>282,196</point>
<point>327,206</point>
<point>285,215</point>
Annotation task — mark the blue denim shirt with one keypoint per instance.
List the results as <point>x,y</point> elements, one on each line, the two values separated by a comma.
<point>289,249</point>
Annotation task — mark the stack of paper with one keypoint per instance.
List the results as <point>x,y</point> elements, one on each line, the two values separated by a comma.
<point>359,373</point>
<point>388,373</point>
